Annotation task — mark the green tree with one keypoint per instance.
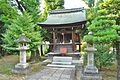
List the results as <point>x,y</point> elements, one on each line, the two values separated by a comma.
<point>7,13</point>
<point>53,5</point>
<point>32,7</point>
<point>104,26</point>
<point>103,56</point>
<point>90,3</point>
<point>23,24</point>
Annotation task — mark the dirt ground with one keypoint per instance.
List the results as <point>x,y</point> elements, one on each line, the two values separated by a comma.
<point>7,64</point>
<point>109,74</point>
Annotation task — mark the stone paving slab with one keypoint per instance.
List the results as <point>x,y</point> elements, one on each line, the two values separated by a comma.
<point>49,73</point>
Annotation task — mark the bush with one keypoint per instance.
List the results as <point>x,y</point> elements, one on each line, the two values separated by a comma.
<point>103,56</point>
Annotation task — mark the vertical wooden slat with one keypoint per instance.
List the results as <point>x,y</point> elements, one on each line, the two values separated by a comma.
<point>73,42</point>
<point>54,42</point>
<point>79,42</point>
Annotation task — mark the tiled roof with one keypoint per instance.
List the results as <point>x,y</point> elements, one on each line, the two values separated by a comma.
<point>65,16</point>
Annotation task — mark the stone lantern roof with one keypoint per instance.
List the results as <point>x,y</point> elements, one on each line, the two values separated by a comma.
<point>23,39</point>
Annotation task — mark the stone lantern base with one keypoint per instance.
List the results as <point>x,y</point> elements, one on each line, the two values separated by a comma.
<point>91,69</point>
<point>21,68</point>
<point>20,65</point>
<point>91,73</point>
<point>91,76</point>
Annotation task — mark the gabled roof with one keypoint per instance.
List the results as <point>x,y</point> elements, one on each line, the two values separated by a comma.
<point>65,16</point>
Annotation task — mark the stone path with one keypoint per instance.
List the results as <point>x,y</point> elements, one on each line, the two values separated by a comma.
<point>49,73</point>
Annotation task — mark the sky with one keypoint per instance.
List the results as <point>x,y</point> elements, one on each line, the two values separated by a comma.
<point>74,4</point>
<point>69,4</point>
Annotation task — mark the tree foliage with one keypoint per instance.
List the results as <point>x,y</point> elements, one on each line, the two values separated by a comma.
<point>104,24</point>
<point>103,56</point>
<point>52,5</point>
<point>32,7</point>
<point>7,13</point>
<point>23,24</point>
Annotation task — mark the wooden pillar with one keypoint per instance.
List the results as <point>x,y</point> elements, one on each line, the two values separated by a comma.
<point>73,42</point>
<point>80,43</point>
<point>63,37</point>
<point>54,42</point>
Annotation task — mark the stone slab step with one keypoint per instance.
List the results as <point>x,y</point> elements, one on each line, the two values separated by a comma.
<point>61,66</point>
<point>62,60</point>
<point>63,63</point>
<point>76,62</point>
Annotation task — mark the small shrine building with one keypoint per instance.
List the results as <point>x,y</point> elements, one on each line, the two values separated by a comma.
<point>66,26</point>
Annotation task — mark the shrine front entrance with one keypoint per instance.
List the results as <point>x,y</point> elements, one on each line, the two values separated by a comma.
<point>64,38</point>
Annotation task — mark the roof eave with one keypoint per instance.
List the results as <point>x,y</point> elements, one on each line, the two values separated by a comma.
<point>47,25</point>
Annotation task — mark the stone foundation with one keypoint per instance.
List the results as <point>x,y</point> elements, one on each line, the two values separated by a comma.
<point>21,68</point>
<point>91,76</point>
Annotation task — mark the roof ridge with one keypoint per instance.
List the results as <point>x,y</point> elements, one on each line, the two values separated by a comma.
<point>66,10</point>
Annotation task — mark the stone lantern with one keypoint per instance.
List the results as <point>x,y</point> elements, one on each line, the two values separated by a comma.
<point>90,68</point>
<point>23,46</point>
<point>91,71</point>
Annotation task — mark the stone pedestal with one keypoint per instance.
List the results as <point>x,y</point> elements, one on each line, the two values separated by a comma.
<point>91,71</point>
<point>22,67</point>
<point>22,63</point>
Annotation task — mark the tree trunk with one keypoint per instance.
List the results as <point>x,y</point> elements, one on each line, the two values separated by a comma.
<point>38,58</point>
<point>2,53</point>
<point>118,59</point>
<point>32,55</point>
<point>41,50</point>
<point>35,56</point>
<point>2,30</point>
<point>20,6</point>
